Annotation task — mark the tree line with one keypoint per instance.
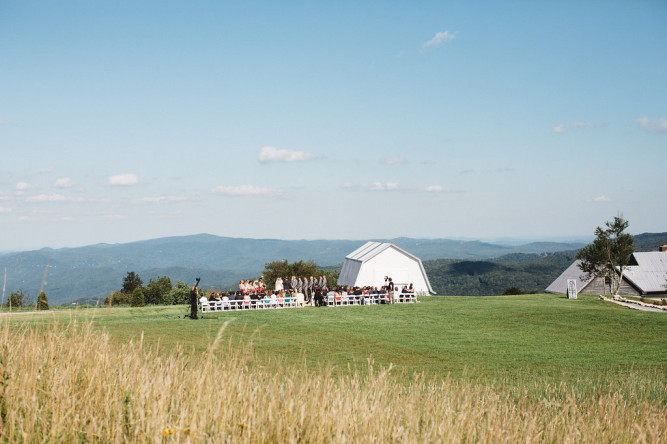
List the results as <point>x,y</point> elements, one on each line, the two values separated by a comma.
<point>20,299</point>
<point>160,290</point>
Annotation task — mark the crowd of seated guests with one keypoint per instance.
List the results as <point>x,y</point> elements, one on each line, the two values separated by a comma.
<point>364,293</point>
<point>255,291</point>
<point>277,299</point>
<point>251,286</point>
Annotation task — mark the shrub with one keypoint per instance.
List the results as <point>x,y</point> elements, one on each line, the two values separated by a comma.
<point>118,298</point>
<point>19,299</point>
<point>42,301</point>
<point>137,299</point>
<point>157,289</point>
<point>180,294</point>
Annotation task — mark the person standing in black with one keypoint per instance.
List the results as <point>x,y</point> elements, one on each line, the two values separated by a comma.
<point>319,298</point>
<point>193,300</point>
<point>390,287</point>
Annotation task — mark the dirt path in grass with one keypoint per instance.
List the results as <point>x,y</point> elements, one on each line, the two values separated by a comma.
<point>637,306</point>
<point>7,313</point>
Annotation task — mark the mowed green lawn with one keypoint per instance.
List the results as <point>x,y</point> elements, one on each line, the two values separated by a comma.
<point>511,339</point>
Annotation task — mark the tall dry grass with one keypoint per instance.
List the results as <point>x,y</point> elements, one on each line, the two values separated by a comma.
<point>67,383</point>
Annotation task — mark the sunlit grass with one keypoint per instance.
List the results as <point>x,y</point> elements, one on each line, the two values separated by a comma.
<point>73,382</point>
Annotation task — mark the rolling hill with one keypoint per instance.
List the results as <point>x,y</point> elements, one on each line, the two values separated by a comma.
<point>94,271</point>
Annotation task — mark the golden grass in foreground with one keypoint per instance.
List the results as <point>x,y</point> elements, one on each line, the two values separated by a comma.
<point>71,383</point>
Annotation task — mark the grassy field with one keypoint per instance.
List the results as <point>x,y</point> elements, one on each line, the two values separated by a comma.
<point>510,338</point>
<point>549,369</point>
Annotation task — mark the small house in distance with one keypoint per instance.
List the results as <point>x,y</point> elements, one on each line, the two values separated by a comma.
<point>369,264</point>
<point>646,275</point>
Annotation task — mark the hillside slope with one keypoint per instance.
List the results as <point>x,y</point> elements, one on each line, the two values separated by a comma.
<point>96,270</point>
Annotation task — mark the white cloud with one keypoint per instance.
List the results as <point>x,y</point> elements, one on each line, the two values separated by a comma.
<point>53,197</point>
<point>63,219</point>
<point>379,186</point>
<point>560,129</point>
<point>653,126</point>
<point>601,199</point>
<point>375,186</point>
<point>64,182</point>
<point>160,199</point>
<point>246,190</point>
<point>437,189</point>
<point>123,180</point>
<point>24,218</point>
<point>5,210</point>
<point>439,39</point>
<point>396,160</point>
<point>269,154</point>
<point>23,186</point>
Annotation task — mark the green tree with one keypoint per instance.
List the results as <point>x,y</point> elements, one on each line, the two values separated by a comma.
<point>42,301</point>
<point>131,282</point>
<point>157,289</point>
<point>284,269</point>
<point>609,254</point>
<point>118,298</point>
<point>299,269</point>
<point>19,299</point>
<point>137,299</point>
<point>512,290</point>
<point>180,294</point>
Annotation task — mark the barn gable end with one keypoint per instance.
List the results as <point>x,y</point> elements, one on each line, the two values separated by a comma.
<point>370,263</point>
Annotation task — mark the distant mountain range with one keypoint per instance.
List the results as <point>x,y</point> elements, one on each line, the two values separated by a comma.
<point>94,271</point>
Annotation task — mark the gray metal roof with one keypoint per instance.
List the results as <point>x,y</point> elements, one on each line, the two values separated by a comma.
<point>650,273</point>
<point>367,251</point>
<point>349,272</point>
<point>572,272</point>
<point>371,249</point>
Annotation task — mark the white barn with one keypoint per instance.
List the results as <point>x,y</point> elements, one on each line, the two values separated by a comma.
<point>369,264</point>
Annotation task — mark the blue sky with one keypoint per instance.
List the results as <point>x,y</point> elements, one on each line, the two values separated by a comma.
<point>122,121</point>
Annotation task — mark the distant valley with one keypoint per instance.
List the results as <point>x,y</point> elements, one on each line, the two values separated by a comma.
<point>92,272</point>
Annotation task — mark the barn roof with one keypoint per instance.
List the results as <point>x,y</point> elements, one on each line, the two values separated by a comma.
<point>648,271</point>
<point>371,249</point>
<point>571,272</point>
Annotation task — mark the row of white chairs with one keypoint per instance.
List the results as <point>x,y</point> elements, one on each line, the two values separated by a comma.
<point>382,298</point>
<point>252,304</point>
<point>298,301</point>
